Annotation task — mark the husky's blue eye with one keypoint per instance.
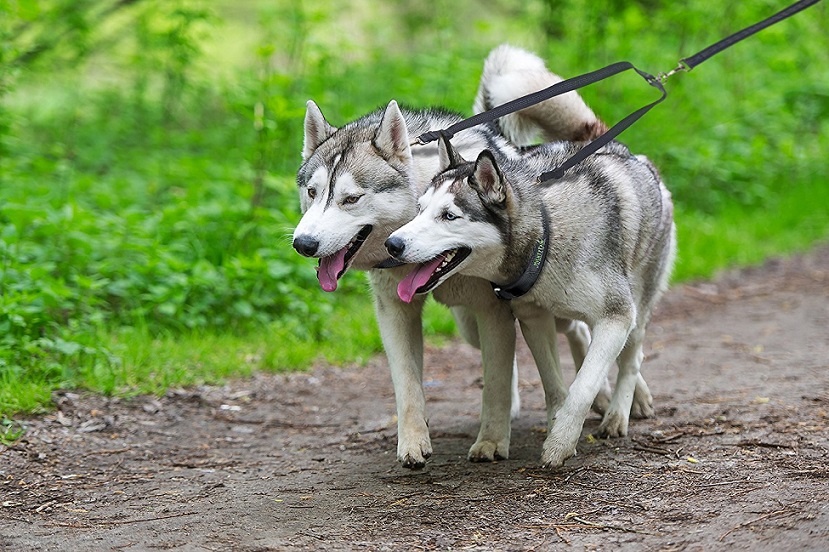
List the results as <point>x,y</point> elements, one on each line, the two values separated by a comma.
<point>449,216</point>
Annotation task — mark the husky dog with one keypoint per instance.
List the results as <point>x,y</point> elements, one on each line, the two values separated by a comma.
<point>359,183</point>
<point>600,241</point>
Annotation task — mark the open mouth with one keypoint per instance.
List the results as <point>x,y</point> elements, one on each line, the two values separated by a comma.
<point>332,267</point>
<point>428,275</point>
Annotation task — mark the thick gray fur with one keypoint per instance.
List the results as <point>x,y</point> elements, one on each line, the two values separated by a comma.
<point>611,251</point>
<point>368,173</point>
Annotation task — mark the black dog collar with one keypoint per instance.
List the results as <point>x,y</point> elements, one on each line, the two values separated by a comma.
<point>527,280</point>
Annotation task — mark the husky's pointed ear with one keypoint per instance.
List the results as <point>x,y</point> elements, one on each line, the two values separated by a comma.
<point>449,157</point>
<point>317,129</point>
<point>488,181</point>
<point>392,136</point>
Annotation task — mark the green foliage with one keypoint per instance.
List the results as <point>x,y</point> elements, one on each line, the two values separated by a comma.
<point>148,150</point>
<point>10,431</point>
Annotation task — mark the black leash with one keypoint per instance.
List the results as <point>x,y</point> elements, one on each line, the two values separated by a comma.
<point>685,65</point>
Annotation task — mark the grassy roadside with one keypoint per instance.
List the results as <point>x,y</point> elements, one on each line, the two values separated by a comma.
<point>142,363</point>
<point>791,222</point>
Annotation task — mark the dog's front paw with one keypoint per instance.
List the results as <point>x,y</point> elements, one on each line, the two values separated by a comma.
<point>488,451</point>
<point>614,424</point>
<point>412,453</point>
<point>556,452</point>
<point>560,444</point>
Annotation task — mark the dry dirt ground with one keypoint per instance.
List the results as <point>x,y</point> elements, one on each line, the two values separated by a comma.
<point>735,459</point>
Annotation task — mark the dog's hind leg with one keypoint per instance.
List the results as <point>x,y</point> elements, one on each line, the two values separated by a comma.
<point>615,421</point>
<point>468,328</point>
<point>537,326</point>
<point>515,396</point>
<point>578,338</point>
<point>661,270</point>
<point>467,325</point>
<point>642,406</point>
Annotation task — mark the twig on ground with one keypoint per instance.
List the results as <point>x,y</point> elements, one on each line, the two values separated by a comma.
<point>669,438</point>
<point>652,450</point>
<point>621,504</point>
<point>722,483</point>
<point>762,444</point>
<point>755,520</point>
<point>562,537</point>
<point>108,451</point>
<point>583,524</point>
<point>92,523</point>
<point>612,527</point>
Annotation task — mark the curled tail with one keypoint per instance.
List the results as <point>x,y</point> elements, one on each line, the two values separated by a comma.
<point>510,73</point>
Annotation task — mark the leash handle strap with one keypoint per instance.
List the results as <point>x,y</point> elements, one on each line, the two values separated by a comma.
<point>685,64</point>
<point>557,89</point>
<point>523,102</point>
<point>694,60</point>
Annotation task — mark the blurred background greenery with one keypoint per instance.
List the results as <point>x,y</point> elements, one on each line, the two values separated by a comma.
<point>148,150</point>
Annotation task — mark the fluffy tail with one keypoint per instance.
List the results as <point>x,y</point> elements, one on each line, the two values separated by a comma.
<point>510,73</point>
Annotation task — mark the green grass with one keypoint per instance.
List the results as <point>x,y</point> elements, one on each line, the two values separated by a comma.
<point>793,221</point>
<point>10,431</point>
<point>139,361</point>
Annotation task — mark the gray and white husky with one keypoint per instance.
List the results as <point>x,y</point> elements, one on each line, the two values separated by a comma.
<point>359,183</point>
<point>603,238</point>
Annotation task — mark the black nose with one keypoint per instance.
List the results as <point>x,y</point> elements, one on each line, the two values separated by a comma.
<point>306,245</point>
<point>395,246</point>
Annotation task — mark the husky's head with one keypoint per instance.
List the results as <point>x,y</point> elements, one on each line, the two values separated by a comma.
<point>354,188</point>
<point>460,227</point>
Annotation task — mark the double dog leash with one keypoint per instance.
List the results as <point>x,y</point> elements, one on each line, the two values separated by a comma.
<point>685,65</point>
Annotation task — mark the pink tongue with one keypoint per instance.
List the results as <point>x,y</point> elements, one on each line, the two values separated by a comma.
<point>329,268</point>
<point>407,288</point>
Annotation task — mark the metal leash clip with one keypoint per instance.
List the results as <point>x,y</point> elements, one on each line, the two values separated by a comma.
<point>682,67</point>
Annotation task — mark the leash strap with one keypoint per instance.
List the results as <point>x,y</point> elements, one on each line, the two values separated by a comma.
<point>611,133</point>
<point>523,102</point>
<point>685,65</point>
<point>714,49</point>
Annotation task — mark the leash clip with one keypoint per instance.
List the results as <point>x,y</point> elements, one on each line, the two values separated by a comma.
<point>431,136</point>
<point>682,67</point>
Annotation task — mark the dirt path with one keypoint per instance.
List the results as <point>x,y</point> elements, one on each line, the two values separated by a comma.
<point>736,457</point>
